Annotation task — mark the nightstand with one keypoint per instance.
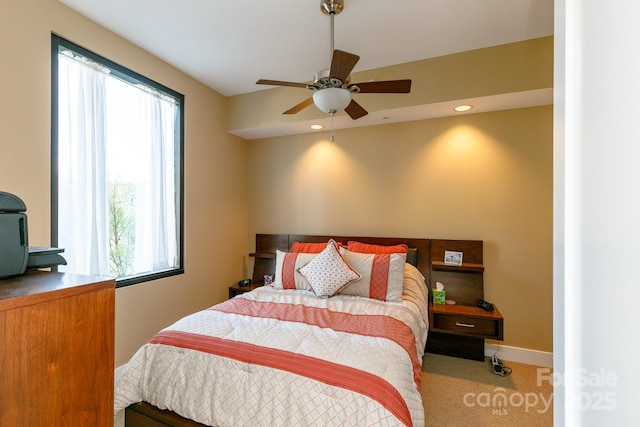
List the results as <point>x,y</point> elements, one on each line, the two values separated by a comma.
<point>460,331</point>
<point>237,290</point>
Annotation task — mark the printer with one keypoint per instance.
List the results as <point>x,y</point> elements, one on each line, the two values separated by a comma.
<point>16,256</point>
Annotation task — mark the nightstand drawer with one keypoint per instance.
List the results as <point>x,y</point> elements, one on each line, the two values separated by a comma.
<point>466,325</point>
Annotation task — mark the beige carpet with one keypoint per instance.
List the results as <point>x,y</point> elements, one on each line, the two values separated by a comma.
<point>460,392</point>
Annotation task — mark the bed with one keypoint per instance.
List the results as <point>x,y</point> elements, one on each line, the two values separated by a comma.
<point>307,349</point>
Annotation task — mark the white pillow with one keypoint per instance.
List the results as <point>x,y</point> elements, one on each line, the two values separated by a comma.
<point>328,273</point>
<point>382,275</point>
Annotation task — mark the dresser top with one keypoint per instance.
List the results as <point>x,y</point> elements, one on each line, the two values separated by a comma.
<point>35,287</point>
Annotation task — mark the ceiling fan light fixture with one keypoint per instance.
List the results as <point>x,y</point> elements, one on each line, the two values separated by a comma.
<point>332,99</point>
<point>332,86</point>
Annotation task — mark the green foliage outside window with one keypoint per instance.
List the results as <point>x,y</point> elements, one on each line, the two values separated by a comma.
<point>122,228</point>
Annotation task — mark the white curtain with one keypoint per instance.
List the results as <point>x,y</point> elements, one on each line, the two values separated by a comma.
<point>111,131</point>
<point>156,236</point>
<point>83,229</point>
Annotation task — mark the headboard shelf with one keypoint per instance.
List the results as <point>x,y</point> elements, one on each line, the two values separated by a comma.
<point>262,255</point>
<point>465,267</point>
<point>464,283</point>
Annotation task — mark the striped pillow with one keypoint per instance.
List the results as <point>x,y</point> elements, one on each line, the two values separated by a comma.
<point>382,275</point>
<point>287,275</point>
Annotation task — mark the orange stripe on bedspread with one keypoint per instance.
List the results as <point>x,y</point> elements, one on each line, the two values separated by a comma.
<point>369,325</point>
<point>321,370</point>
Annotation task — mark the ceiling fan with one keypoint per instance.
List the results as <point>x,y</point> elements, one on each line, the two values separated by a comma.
<point>332,86</point>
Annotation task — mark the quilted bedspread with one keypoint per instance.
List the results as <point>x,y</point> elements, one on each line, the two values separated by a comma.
<point>286,358</point>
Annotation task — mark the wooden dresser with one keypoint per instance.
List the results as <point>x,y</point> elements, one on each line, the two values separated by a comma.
<point>56,350</point>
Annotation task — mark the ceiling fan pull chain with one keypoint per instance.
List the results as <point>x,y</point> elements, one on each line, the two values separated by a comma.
<point>331,128</point>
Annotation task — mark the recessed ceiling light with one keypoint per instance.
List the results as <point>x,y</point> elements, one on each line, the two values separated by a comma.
<point>462,108</point>
<point>316,127</point>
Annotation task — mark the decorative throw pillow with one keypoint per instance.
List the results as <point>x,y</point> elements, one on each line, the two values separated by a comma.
<point>309,248</point>
<point>366,248</point>
<point>287,275</point>
<point>382,275</point>
<point>328,273</point>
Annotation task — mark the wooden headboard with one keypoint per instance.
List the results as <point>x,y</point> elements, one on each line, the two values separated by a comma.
<point>464,284</point>
<point>267,244</point>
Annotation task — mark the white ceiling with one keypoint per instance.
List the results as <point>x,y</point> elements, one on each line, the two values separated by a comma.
<point>229,45</point>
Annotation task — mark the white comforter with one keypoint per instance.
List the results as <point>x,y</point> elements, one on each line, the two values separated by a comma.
<point>287,358</point>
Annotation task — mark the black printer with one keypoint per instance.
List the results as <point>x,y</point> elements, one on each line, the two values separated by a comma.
<point>16,256</point>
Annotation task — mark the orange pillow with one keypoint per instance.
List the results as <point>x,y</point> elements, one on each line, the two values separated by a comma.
<point>309,248</point>
<point>366,248</point>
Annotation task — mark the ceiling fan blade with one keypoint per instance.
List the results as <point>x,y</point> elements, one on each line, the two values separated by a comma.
<point>304,104</point>
<point>342,64</point>
<point>355,110</point>
<point>388,86</point>
<point>280,83</point>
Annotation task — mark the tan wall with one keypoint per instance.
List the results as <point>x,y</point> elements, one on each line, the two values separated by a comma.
<point>483,176</point>
<point>215,195</point>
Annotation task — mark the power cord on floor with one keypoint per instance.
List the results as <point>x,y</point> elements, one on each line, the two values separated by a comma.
<point>497,367</point>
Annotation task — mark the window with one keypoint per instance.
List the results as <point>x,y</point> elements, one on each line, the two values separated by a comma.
<point>117,169</point>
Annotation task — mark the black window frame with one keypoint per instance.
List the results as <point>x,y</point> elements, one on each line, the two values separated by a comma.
<point>129,76</point>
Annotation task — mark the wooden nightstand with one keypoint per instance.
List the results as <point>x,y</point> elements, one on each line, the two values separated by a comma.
<point>460,331</point>
<point>237,290</point>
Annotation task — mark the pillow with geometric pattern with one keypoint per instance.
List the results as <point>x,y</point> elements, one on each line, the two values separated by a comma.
<point>328,273</point>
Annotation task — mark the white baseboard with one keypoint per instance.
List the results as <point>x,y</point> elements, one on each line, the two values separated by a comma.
<point>520,355</point>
